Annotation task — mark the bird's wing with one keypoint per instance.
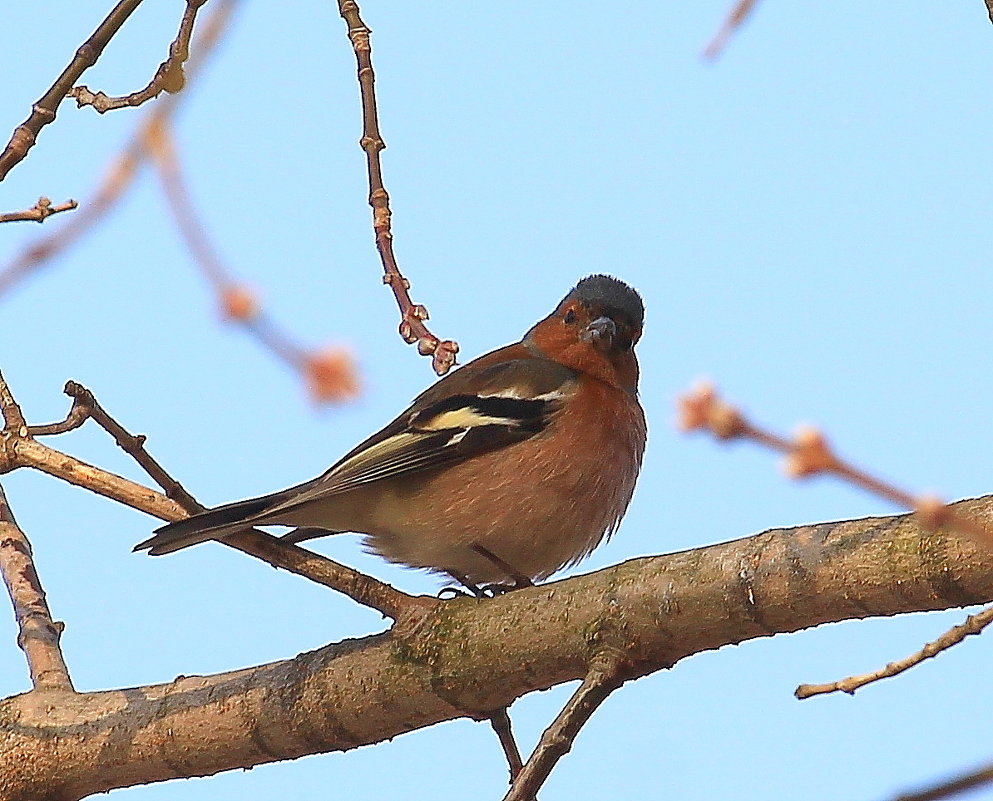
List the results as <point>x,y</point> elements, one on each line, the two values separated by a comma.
<point>480,408</point>
<point>511,402</point>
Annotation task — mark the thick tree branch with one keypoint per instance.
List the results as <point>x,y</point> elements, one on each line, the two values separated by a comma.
<point>469,657</point>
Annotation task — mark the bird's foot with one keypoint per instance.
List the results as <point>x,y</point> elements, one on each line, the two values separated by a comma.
<point>448,593</point>
<point>474,591</point>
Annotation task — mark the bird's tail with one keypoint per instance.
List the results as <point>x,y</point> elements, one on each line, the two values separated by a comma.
<point>209,525</point>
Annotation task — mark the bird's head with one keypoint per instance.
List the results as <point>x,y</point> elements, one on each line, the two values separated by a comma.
<point>594,330</point>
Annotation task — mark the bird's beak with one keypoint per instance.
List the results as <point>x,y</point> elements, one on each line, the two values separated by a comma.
<point>600,332</point>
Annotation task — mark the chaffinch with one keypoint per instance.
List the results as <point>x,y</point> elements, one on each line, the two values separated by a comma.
<point>514,466</point>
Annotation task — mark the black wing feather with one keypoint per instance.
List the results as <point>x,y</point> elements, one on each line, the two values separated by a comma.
<point>427,441</point>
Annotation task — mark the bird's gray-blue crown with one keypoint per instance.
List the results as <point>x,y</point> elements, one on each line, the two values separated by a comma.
<point>612,296</point>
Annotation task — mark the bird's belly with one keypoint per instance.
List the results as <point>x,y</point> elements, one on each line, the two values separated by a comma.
<point>530,506</point>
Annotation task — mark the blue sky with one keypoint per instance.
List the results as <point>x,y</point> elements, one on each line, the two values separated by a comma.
<point>807,220</point>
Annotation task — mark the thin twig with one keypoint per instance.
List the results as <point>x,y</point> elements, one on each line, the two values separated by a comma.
<point>276,340</point>
<point>412,327</point>
<point>38,635</point>
<point>603,678</point>
<point>159,145</point>
<point>43,111</point>
<point>363,589</point>
<point>124,167</point>
<point>500,721</point>
<point>329,374</point>
<point>974,624</point>
<point>968,781</point>
<point>39,212</point>
<point>809,454</point>
<point>168,77</point>
<point>38,253</point>
<point>734,20</point>
<point>133,445</point>
<point>328,378</point>
<point>78,414</point>
<point>28,452</point>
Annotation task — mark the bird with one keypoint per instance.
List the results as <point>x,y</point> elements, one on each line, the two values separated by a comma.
<point>514,466</point>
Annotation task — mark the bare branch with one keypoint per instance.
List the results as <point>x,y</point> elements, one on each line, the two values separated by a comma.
<point>412,327</point>
<point>469,657</point>
<point>19,449</point>
<point>39,212</point>
<point>603,677</point>
<point>168,77</point>
<point>974,624</point>
<point>27,452</point>
<point>989,9</point>
<point>14,424</point>
<point>132,444</point>
<point>960,784</point>
<point>117,179</point>
<point>39,635</point>
<point>809,454</point>
<point>159,146</point>
<point>78,414</point>
<point>43,111</point>
<point>734,20</point>
<point>363,589</point>
<point>406,610</point>
<point>330,374</point>
<point>122,170</point>
<point>500,721</point>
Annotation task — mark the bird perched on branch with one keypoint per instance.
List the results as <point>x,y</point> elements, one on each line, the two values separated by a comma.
<point>512,467</point>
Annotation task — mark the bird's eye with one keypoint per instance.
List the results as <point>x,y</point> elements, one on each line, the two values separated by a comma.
<point>570,317</point>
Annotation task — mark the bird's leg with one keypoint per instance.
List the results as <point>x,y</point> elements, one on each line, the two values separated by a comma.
<point>474,590</point>
<point>517,579</point>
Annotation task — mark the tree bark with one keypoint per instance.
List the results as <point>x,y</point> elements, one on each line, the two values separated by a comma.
<point>470,657</point>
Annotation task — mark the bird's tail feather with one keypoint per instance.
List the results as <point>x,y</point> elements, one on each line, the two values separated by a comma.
<point>209,525</point>
<point>302,533</point>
